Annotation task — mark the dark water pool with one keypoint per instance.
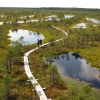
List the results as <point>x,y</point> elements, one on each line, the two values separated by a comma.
<point>74,66</point>
<point>30,37</point>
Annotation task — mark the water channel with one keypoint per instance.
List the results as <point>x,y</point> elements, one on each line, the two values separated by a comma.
<point>74,66</point>
<point>30,37</point>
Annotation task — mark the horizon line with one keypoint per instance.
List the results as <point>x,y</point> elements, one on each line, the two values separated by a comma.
<point>50,7</point>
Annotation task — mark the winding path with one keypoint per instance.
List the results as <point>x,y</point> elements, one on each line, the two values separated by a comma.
<point>28,72</point>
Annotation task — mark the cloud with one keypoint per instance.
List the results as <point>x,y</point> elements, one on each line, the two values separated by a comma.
<point>90,73</point>
<point>51,3</point>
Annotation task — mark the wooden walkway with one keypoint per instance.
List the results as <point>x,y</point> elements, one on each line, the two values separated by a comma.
<point>29,74</point>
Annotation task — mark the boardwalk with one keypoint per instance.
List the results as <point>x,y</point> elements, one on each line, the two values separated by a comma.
<point>29,74</point>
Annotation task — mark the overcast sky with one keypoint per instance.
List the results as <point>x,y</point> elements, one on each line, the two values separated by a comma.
<point>51,3</point>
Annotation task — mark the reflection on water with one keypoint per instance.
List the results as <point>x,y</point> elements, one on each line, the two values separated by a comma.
<point>1,23</point>
<point>20,22</point>
<point>68,16</point>
<point>80,25</point>
<point>93,20</point>
<point>74,66</point>
<point>27,16</point>
<point>52,17</point>
<point>29,36</point>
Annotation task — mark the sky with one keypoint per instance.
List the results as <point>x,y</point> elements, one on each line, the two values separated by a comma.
<point>51,3</point>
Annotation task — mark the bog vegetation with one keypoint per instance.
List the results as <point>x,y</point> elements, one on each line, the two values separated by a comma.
<point>86,41</point>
